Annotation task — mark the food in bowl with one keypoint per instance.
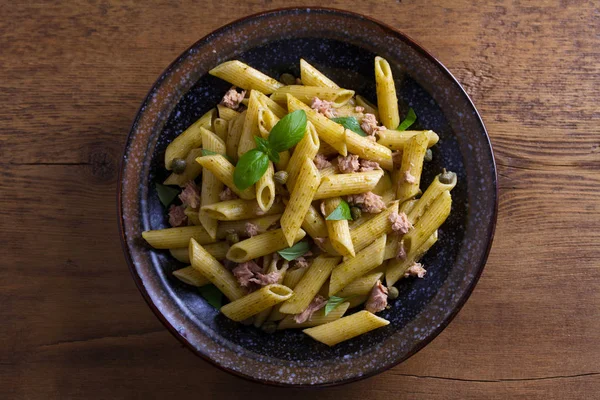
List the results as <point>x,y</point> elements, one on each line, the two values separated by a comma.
<point>299,199</point>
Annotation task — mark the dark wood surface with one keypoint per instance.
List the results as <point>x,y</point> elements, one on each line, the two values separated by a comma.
<point>72,75</point>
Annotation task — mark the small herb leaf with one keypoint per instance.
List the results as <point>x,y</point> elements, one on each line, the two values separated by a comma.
<point>341,212</point>
<point>410,119</point>
<point>332,303</point>
<point>288,131</point>
<point>166,194</point>
<point>263,145</point>
<point>250,167</point>
<point>297,250</point>
<point>214,153</point>
<point>350,123</point>
<point>212,295</point>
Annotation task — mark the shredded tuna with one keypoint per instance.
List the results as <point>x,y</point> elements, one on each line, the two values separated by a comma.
<point>401,251</point>
<point>323,107</point>
<point>369,124</point>
<point>348,164</point>
<point>232,98</point>
<point>245,272</point>
<point>397,157</point>
<point>315,305</point>
<point>377,300</point>
<point>266,279</point>
<point>301,262</point>
<point>400,222</point>
<point>368,165</point>
<point>177,216</point>
<point>409,178</point>
<point>321,161</point>
<point>227,194</point>
<point>359,109</point>
<point>251,229</point>
<point>190,196</point>
<point>416,270</point>
<point>368,202</point>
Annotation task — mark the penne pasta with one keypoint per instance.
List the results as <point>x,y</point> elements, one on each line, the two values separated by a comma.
<point>353,268</point>
<point>314,223</point>
<point>223,170</point>
<point>265,189</point>
<point>310,76</point>
<point>227,113</point>
<point>275,108</point>
<point>307,94</point>
<point>235,210</point>
<point>306,148</point>
<point>239,226</point>
<point>260,245</point>
<point>218,250</point>
<point>308,287</point>
<point>190,276</point>
<point>300,200</point>
<point>386,94</point>
<point>318,318</point>
<point>396,140</point>
<point>291,279</point>
<point>244,76</point>
<point>172,238</point>
<point>338,231</point>
<point>221,127</point>
<point>369,150</point>
<point>190,139</point>
<point>409,175</point>
<point>345,184</point>
<point>361,286</point>
<point>233,135</point>
<point>346,328</point>
<point>397,267</point>
<point>356,301</point>
<point>373,228</point>
<point>250,128</point>
<point>435,189</point>
<point>215,272</point>
<point>256,302</point>
<point>211,185</point>
<point>331,132</point>
<point>429,223</point>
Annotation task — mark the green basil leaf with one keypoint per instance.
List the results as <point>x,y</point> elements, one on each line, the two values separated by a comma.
<point>410,119</point>
<point>342,211</point>
<point>297,250</point>
<point>250,167</point>
<point>332,303</point>
<point>263,145</point>
<point>166,194</point>
<point>350,123</point>
<point>214,153</point>
<point>212,295</point>
<point>288,131</point>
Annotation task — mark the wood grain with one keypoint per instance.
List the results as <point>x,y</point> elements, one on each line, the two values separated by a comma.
<point>72,75</point>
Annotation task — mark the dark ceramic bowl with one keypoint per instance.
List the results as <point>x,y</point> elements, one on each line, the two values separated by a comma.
<point>342,45</point>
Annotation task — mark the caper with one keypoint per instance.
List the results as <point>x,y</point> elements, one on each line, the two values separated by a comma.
<point>287,79</point>
<point>281,177</point>
<point>269,327</point>
<point>178,165</point>
<point>447,177</point>
<point>356,213</point>
<point>428,155</point>
<point>393,293</point>
<point>232,237</point>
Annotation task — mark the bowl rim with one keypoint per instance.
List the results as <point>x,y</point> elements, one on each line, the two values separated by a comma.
<point>459,304</point>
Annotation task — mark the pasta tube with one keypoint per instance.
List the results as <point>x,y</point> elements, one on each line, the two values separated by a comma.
<point>396,140</point>
<point>386,94</point>
<point>190,138</point>
<point>346,328</point>
<point>345,184</point>
<point>260,245</point>
<point>339,232</point>
<point>310,76</point>
<point>318,318</point>
<point>190,276</point>
<point>306,94</point>
<point>223,170</point>
<point>256,302</point>
<point>429,222</point>
<point>245,77</point>
<point>409,176</point>
<point>171,238</point>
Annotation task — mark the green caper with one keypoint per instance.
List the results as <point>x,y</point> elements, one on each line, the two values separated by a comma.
<point>269,327</point>
<point>393,293</point>
<point>287,79</point>
<point>447,177</point>
<point>356,213</point>
<point>428,155</point>
<point>281,177</point>
<point>232,237</point>
<point>178,165</point>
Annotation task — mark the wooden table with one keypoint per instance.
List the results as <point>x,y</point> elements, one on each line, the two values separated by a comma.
<point>72,75</point>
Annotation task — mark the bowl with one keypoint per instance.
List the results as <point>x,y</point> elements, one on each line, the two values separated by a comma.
<point>343,45</point>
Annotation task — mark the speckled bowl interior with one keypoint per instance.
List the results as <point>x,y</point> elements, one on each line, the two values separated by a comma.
<point>342,45</point>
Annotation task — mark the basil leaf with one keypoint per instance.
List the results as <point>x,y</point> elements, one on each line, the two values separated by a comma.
<point>297,250</point>
<point>288,131</point>
<point>166,194</point>
<point>342,211</point>
<point>410,119</point>
<point>350,123</point>
<point>250,167</point>
<point>212,295</point>
<point>214,153</point>
<point>263,145</point>
<point>332,303</point>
